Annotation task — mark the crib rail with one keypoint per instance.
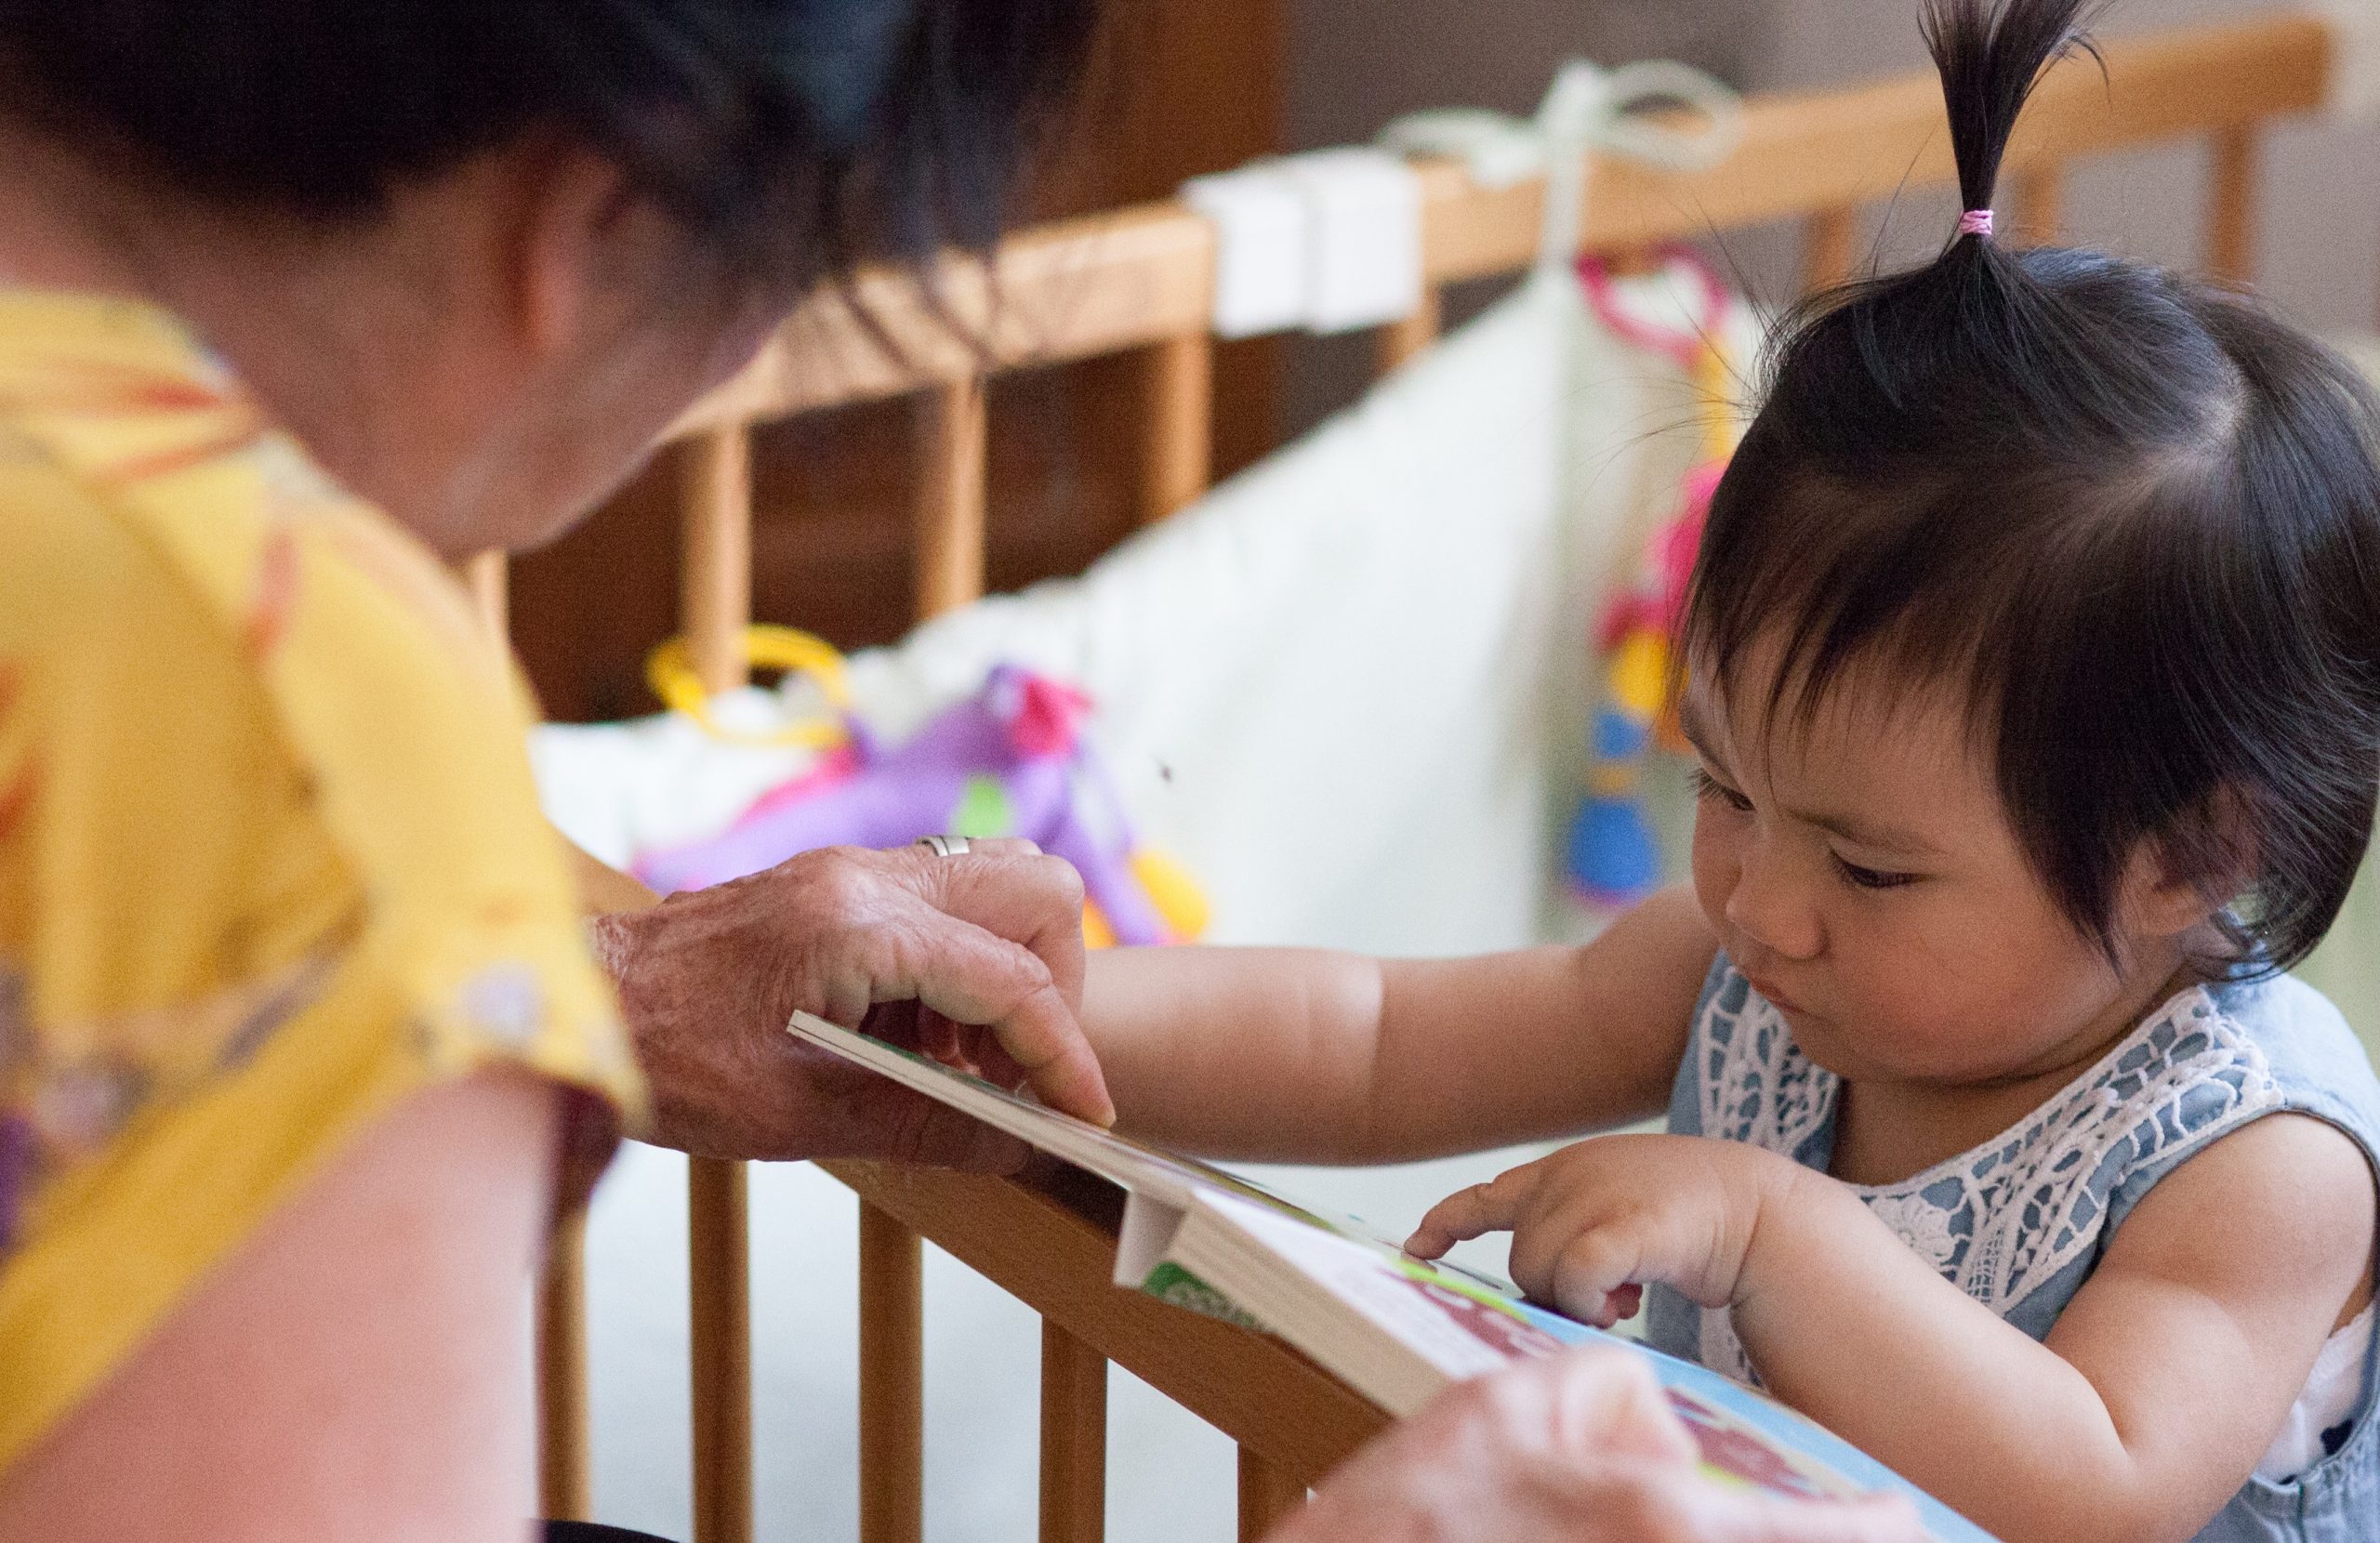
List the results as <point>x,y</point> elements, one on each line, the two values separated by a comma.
<point>1112,283</point>
<point>1052,1240</point>
<point>1821,152</point>
<point>1072,289</point>
<point>1140,280</point>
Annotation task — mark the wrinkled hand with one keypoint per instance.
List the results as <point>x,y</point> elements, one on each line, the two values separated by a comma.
<point>1595,1221</point>
<point>976,959</point>
<point>1578,1448</point>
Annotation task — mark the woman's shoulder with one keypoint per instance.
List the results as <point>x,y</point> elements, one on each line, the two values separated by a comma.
<point>150,505</point>
<point>217,646</point>
<point>270,853</point>
<point>126,702</point>
<point>77,585</point>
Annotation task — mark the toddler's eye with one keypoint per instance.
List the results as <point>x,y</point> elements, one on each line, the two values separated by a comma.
<point>1871,878</point>
<point>1708,786</point>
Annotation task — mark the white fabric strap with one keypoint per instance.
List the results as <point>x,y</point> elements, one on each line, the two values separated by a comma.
<point>1363,253</point>
<point>1261,235</point>
<point>1329,241</point>
<point>1588,107</point>
<point>1576,109</point>
<point>1497,149</point>
<point>1332,240</point>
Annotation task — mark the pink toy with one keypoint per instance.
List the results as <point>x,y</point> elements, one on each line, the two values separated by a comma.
<point>1612,854</point>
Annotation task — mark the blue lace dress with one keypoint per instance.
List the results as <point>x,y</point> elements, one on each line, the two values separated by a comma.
<point>2020,1223</point>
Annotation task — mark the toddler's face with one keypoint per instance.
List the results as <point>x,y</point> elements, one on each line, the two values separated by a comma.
<point>1863,875</point>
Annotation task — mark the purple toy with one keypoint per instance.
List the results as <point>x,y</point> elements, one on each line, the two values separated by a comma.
<point>1009,761</point>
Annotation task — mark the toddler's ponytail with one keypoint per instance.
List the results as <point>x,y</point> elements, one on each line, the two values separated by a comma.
<point>1988,60</point>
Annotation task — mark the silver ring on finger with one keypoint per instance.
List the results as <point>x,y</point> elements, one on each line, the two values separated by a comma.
<point>943,846</point>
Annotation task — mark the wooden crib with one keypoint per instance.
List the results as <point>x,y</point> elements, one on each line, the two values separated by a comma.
<point>1138,282</point>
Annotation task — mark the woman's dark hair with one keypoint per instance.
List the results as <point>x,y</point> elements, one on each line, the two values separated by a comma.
<point>793,138</point>
<point>2132,520</point>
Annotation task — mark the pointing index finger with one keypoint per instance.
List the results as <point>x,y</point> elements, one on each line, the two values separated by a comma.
<point>1466,1214</point>
<point>1046,1044</point>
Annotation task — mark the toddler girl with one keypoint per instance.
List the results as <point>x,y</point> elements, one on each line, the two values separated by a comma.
<point>2033,660</point>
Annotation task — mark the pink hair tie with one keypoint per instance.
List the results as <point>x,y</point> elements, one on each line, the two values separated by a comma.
<point>1975,222</point>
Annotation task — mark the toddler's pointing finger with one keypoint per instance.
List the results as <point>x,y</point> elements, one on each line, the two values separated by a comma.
<point>1467,1213</point>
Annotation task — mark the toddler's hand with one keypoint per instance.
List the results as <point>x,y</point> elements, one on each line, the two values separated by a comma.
<point>1594,1222</point>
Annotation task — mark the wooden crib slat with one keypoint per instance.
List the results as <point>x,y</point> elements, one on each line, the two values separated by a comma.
<point>1407,336</point>
<point>1267,1493</point>
<point>1830,240</point>
<point>950,497</point>
<point>488,577</point>
<point>949,518</point>
<point>719,1270</point>
<point>2235,173</point>
<point>715,604</point>
<point>716,579</point>
<point>564,1488</point>
<point>1180,455</point>
<point>1074,1439</point>
<point>565,1492</point>
<point>1059,1262</point>
<point>2037,203</point>
<point>891,1381</point>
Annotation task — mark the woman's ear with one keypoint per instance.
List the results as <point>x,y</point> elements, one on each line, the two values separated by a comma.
<point>575,211</point>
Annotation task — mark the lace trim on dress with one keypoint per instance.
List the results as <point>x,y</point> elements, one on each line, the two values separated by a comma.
<point>2000,1220</point>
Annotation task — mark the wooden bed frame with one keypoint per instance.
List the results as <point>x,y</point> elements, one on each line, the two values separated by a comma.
<point>1139,281</point>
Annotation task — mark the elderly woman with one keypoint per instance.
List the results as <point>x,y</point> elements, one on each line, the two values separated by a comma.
<point>302,1040</point>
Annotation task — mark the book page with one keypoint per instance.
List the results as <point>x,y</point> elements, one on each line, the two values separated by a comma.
<point>1136,1166</point>
<point>1464,1328</point>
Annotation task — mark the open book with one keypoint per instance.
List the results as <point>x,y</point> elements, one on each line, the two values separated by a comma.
<point>1395,1328</point>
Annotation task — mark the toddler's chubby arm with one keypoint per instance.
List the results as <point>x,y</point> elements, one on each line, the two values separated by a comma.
<point>2152,1401</point>
<point>1305,1055</point>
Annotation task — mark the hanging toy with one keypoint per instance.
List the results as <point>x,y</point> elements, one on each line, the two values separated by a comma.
<point>1009,760</point>
<point>1612,856</point>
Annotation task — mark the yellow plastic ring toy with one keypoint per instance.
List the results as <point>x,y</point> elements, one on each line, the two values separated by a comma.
<point>670,672</point>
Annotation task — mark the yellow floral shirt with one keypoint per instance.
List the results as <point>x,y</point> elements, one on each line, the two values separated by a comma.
<point>270,854</point>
